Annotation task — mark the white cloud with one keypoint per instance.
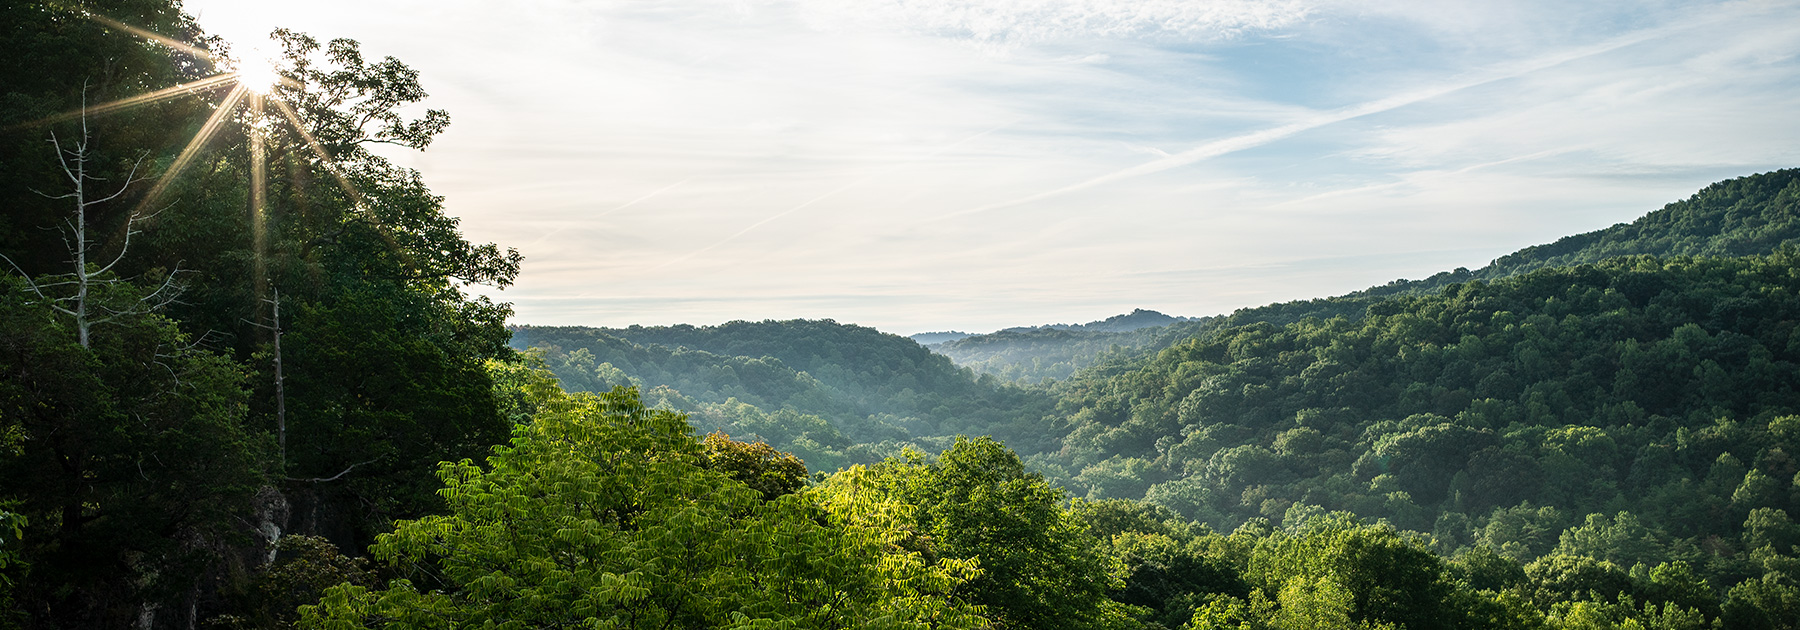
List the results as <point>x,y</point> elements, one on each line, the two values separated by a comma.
<point>709,160</point>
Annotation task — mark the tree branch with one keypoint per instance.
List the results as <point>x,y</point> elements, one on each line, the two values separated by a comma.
<point>333,477</point>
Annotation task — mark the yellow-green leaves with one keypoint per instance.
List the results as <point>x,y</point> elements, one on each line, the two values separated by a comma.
<point>602,513</point>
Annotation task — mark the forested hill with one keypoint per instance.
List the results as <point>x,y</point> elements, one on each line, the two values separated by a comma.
<point>1036,354</point>
<point>855,385</point>
<point>1755,214</point>
<point>1044,354</point>
<point>1660,387</point>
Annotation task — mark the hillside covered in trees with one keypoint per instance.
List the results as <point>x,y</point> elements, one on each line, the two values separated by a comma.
<point>1036,354</point>
<point>835,394</point>
<point>1756,214</point>
<point>242,385</point>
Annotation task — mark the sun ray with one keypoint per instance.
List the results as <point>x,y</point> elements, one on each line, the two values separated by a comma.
<point>141,99</point>
<point>193,147</point>
<point>319,150</point>
<point>259,220</point>
<point>183,47</point>
<point>356,197</point>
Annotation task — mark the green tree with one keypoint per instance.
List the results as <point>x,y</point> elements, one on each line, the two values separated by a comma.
<point>1769,603</point>
<point>1333,566</point>
<point>758,465</point>
<point>135,467</point>
<point>602,512</point>
<point>975,502</point>
<point>1621,539</point>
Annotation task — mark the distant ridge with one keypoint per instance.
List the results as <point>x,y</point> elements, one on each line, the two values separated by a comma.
<point>1034,354</point>
<point>1754,214</point>
<point>1135,320</point>
<point>929,338</point>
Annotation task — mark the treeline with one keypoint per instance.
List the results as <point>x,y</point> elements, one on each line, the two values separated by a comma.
<point>835,394</point>
<point>1755,214</point>
<point>1036,357</point>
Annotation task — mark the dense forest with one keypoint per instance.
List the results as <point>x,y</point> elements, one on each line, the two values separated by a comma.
<point>1037,354</point>
<point>245,387</point>
<point>834,394</point>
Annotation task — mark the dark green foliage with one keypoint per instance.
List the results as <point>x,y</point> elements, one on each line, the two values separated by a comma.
<point>133,461</point>
<point>1389,579</point>
<point>133,467</point>
<point>1572,388</point>
<point>1167,566</point>
<point>374,392</point>
<point>758,465</point>
<point>52,60</point>
<point>304,567</point>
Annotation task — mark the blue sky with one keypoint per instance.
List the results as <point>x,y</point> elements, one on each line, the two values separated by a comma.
<point>936,164</point>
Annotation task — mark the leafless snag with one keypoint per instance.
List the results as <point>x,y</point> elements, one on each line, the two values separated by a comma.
<point>88,274</point>
<point>280,383</point>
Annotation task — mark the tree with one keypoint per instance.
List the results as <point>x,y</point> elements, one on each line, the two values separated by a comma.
<point>136,466</point>
<point>82,293</point>
<point>1371,575</point>
<point>758,465</point>
<point>601,512</point>
<point>975,502</point>
<point>1769,603</point>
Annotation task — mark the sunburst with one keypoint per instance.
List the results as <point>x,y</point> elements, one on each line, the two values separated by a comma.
<point>254,83</point>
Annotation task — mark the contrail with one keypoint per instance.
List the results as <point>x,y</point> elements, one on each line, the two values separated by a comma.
<point>1258,138</point>
<point>758,224</point>
<point>825,196</point>
<point>634,202</point>
<point>553,231</point>
<point>1466,169</point>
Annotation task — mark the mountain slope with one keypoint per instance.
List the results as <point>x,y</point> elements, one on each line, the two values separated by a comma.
<point>1662,387</point>
<point>870,387</point>
<point>1036,354</point>
<point>1756,214</point>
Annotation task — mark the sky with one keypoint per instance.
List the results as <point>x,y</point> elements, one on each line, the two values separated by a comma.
<point>923,165</point>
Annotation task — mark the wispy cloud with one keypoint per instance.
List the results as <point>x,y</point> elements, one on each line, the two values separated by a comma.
<point>786,152</point>
<point>1018,22</point>
<point>1262,137</point>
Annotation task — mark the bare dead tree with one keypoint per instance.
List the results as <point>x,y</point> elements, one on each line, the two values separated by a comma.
<point>280,383</point>
<point>73,294</point>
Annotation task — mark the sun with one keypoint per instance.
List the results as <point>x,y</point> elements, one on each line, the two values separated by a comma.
<point>256,72</point>
<point>251,77</point>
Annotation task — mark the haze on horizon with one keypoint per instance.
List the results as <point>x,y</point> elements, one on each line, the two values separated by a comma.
<point>938,164</point>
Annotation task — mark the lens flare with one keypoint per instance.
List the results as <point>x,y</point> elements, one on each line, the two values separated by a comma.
<point>256,72</point>
<point>252,79</point>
